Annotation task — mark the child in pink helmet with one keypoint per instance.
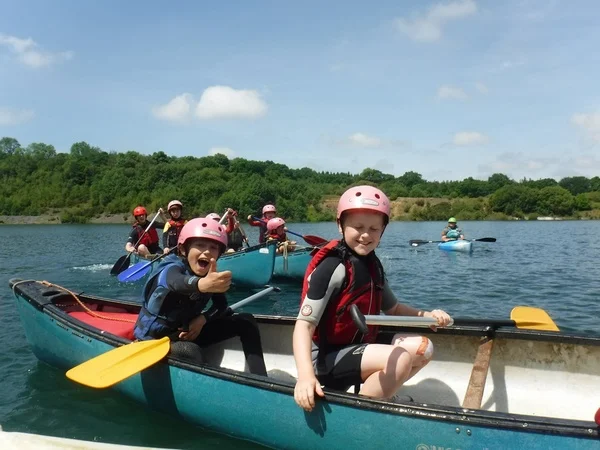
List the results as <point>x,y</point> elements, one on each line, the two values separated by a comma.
<point>268,212</point>
<point>328,347</point>
<point>276,231</point>
<point>177,294</point>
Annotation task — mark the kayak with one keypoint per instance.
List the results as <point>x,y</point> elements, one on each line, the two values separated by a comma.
<point>456,246</point>
<point>250,267</point>
<point>538,394</point>
<point>293,265</point>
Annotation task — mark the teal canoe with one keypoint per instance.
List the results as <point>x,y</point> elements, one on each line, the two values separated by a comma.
<point>457,246</point>
<point>250,267</point>
<point>292,266</point>
<point>539,392</point>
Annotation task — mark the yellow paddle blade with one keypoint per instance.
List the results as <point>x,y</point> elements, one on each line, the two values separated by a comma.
<point>532,318</point>
<point>120,363</point>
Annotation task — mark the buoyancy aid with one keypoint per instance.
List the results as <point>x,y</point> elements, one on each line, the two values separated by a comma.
<point>453,233</point>
<point>274,236</point>
<point>148,238</point>
<point>363,287</point>
<point>165,311</point>
<point>175,227</point>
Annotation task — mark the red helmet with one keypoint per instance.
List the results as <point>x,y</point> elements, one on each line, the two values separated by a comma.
<point>269,208</point>
<point>174,203</point>
<point>367,198</point>
<point>203,228</point>
<point>275,223</point>
<point>139,211</point>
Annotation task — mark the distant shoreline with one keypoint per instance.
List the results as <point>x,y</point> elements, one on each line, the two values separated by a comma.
<point>54,219</point>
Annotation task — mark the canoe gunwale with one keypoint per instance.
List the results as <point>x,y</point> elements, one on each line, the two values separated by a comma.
<point>448,414</point>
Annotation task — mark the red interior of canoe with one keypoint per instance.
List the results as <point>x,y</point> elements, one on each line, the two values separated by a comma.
<point>114,322</point>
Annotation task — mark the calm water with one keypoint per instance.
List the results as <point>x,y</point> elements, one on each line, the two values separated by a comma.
<point>553,265</point>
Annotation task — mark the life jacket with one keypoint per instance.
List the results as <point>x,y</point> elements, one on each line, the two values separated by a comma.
<point>453,233</point>
<point>174,230</point>
<point>336,327</point>
<point>164,311</point>
<point>235,239</point>
<point>149,238</point>
<point>274,236</point>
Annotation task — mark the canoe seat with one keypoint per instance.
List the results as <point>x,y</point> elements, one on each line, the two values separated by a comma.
<point>116,327</point>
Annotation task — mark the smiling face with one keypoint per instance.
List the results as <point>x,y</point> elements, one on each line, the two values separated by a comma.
<point>141,219</point>
<point>362,231</point>
<point>199,253</point>
<point>269,215</point>
<point>175,212</point>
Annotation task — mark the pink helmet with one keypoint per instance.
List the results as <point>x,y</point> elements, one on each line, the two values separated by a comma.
<point>269,208</point>
<point>364,197</point>
<point>213,216</point>
<point>174,203</point>
<point>275,223</point>
<point>203,228</point>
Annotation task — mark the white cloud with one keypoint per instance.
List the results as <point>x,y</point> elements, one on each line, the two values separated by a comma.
<point>464,138</point>
<point>223,151</point>
<point>224,102</point>
<point>451,92</point>
<point>29,52</point>
<point>481,88</point>
<point>362,140</point>
<point>177,110</point>
<point>11,117</point>
<point>590,123</point>
<point>428,27</point>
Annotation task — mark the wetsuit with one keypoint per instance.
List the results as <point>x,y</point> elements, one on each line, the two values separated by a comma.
<point>172,301</point>
<point>262,230</point>
<point>150,238</point>
<point>171,232</point>
<point>338,366</point>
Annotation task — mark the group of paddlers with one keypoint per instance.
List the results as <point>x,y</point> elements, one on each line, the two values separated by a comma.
<point>186,295</point>
<point>144,241</point>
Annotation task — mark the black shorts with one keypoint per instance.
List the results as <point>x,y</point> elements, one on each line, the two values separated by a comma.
<point>340,368</point>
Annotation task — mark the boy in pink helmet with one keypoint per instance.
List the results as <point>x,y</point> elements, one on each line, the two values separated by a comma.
<point>268,212</point>
<point>328,347</point>
<point>276,231</point>
<point>176,296</point>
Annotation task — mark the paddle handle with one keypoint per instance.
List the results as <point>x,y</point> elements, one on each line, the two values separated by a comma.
<point>287,231</point>
<point>253,297</point>
<point>146,230</point>
<point>409,321</point>
<point>149,263</point>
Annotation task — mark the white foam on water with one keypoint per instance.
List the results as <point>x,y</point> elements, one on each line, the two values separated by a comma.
<point>94,267</point>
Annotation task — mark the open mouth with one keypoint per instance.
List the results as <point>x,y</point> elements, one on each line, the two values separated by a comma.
<point>203,263</point>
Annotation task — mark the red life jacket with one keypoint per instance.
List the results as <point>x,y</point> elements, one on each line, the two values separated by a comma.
<point>336,326</point>
<point>273,235</point>
<point>174,231</point>
<point>149,238</point>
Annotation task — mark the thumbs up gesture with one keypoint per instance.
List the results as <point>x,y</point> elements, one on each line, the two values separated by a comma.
<point>214,281</point>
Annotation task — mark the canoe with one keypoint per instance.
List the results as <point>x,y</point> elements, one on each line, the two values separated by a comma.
<point>456,246</point>
<point>539,392</point>
<point>293,265</point>
<point>250,267</point>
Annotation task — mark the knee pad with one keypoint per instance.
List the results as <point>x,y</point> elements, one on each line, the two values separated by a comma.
<point>425,348</point>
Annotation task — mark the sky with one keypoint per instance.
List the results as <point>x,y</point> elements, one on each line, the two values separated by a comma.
<point>449,89</point>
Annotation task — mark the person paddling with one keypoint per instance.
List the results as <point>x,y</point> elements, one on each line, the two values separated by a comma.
<point>147,242</point>
<point>176,296</point>
<point>268,212</point>
<point>174,225</point>
<point>328,346</point>
<point>452,232</point>
<point>276,231</point>
<point>234,242</point>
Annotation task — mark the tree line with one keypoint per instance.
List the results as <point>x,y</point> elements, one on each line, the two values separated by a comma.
<point>88,182</point>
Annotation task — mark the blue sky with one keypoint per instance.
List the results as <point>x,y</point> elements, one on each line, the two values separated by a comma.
<point>449,89</point>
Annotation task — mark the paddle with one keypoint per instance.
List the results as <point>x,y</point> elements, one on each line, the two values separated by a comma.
<point>123,262</point>
<point>122,362</point>
<point>524,317</point>
<point>416,242</point>
<point>244,236</point>
<point>140,269</point>
<point>310,239</point>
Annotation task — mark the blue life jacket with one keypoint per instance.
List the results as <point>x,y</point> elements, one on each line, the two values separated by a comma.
<point>164,311</point>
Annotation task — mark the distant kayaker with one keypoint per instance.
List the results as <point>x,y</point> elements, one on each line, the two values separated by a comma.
<point>268,212</point>
<point>452,232</point>
<point>147,242</point>
<point>174,225</point>
<point>177,294</point>
<point>233,243</point>
<point>328,347</point>
<point>276,232</point>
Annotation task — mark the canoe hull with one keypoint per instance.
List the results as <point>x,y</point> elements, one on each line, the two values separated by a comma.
<point>456,246</point>
<point>263,410</point>
<point>251,267</point>
<point>295,265</point>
